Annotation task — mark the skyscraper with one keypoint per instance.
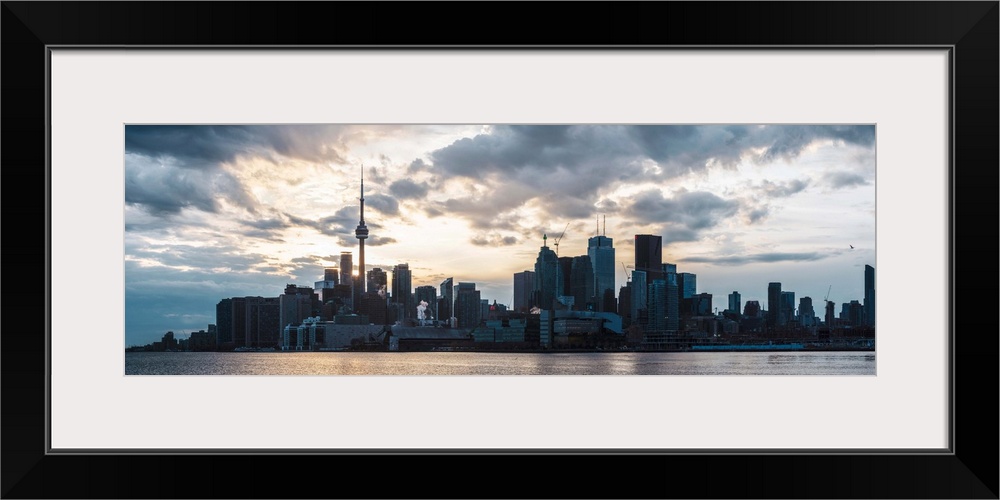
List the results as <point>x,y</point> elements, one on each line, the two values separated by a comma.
<point>346,268</point>
<point>446,307</point>
<point>565,286</point>
<point>649,255</point>
<point>673,296</point>
<point>524,283</point>
<point>773,303</point>
<point>468,305</point>
<point>656,295</point>
<point>806,313</point>
<point>361,233</point>
<point>376,280</point>
<point>402,290</point>
<point>869,296</point>
<point>296,304</point>
<point>734,302</point>
<point>582,282</point>
<point>688,284</point>
<point>601,251</point>
<point>787,308</point>
<point>547,277</point>
<point>639,297</point>
<point>427,294</point>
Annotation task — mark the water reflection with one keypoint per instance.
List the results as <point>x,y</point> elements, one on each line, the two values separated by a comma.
<point>479,363</point>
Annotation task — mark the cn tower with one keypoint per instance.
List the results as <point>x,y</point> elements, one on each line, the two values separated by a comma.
<point>361,233</point>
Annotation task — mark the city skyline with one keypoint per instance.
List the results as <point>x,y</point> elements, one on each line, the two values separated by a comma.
<point>223,211</point>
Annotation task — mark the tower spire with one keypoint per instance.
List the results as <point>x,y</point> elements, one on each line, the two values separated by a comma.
<point>361,233</point>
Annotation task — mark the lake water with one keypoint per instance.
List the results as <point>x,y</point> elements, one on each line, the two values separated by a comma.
<point>488,363</point>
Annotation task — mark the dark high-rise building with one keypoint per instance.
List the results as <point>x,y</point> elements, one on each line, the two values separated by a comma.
<point>688,284</point>
<point>402,290</point>
<point>565,276</point>
<point>361,233</point>
<point>331,278</point>
<point>734,302</point>
<point>625,304</point>
<point>787,307</point>
<point>751,309</point>
<point>468,305</point>
<point>639,297</point>
<point>446,307</point>
<point>673,296</point>
<point>524,283</point>
<point>548,279</point>
<point>869,296</point>
<point>856,314</point>
<point>656,294</point>
<point>701,304</point>
<point>296,304</point>
<point>773,303</point>
<point>601,251</point>
<point>263,319</point>
<point>582,283</point>
<point>426,294</point>
<point>376,280</point>
<point>806,313</point>
<point>346,269</point>
<point>224,320</point>
<point>649,255</point>
<point>673,301</point>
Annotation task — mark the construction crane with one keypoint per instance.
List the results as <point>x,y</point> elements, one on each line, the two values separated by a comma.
<point>556,243</point>
<point>827,298</point>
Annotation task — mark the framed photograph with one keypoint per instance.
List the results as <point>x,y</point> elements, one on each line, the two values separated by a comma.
<point>189,160</point>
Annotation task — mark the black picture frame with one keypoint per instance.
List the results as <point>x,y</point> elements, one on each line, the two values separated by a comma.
<point>970,470</point>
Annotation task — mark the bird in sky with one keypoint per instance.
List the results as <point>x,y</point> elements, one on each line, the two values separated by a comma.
<point>852,246</point>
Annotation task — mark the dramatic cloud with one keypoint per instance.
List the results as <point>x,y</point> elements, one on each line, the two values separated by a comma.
<point>763,257</point>
<point>493,240</point>
<point>406,188</point>
<point>164,188</point>
<point>691,210</point>
<point>783,189</point>
<point>841,180</point>
<point>206,146</point>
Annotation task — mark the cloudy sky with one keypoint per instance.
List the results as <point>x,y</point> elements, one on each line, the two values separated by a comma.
<point>223,211</point>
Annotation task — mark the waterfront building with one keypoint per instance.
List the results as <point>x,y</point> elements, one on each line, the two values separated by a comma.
<point>734,302</point>
<point>402,291</point>
<point>296,303</point>
<point>468,305</point>
<point>807,316</point>
<point>649,255</point>
<point>773,303</point>
<point>625,304</point>
<point>869,304</point>
<point>657,305</point>
<point>346,269</point>
<point>547,277</point>
<point>688,283</point>
<point>787,307</point>
<point>601,251</point>
<point>376,280</point>
<point>582,283</point>
<point>446,306</point>
<point>224,321</point>
<point>325,288</point>
<point>701,304</point>
<point>262,322</point>
<point>524,282</point>
<point>565,286</point>
<point>639,297</point>
<point>673,300</point>
<point>856,314</point>
<point>427,294</point>
<point>751,309</point>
